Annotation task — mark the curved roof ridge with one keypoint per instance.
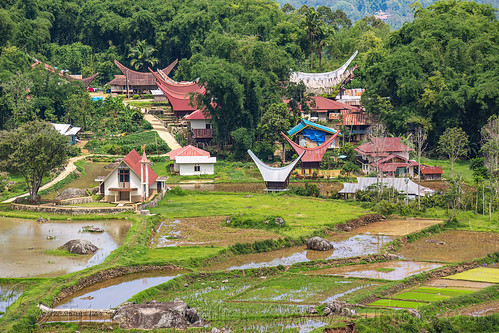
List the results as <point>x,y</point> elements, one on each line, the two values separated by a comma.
<point>336,72</point>
<point>314,154</point>
<point>271,174</point>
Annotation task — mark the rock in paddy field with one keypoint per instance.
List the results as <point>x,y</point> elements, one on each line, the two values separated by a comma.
<point>79,246</point>
<point>71,193</point>
<point>153,315</point>
<point>319,244</point>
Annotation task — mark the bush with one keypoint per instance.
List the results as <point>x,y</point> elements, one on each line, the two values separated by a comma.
<point>177,191</point>
<point>247,222</point>
<point>310,190</point>
<point>73,151</point>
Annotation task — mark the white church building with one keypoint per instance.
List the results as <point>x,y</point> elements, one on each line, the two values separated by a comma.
<point>132,180</point>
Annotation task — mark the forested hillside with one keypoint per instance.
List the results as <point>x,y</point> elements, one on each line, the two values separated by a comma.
<point>399,11</point>
<point>441,69</point>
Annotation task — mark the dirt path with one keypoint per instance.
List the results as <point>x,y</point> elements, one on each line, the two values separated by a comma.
<point>70,167</point>
<point>162,132</point>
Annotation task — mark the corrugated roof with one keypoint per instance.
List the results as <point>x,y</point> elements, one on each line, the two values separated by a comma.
<point>271,174</point>
<point>198,115</point>
<point>195,160</point>
<point>404,185</point>
<point>380,145</point>
<point>305,123</point>
<point>133,161</point>
<point>187,151</point>
<point>431,170</point>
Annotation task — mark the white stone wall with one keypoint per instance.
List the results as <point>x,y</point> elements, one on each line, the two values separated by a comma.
<point>188,169</point>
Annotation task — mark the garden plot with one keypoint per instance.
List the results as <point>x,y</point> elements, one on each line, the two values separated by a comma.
<point>392,270</point>
<point>205,231</point>
<point>452,246</point>
<point>483,274</point>
<point>397,227</point>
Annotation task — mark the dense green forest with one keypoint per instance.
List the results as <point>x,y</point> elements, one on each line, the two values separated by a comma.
<point>441,69</point>
<point>399,11</point>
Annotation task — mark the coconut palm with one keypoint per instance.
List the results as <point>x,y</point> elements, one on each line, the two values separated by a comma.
<point>141,55</point>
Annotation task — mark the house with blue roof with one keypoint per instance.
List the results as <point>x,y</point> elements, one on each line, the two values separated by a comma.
<point>308,134</point>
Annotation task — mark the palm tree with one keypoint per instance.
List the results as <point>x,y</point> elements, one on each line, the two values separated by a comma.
<point>141,55</point>
<point>312,25</point>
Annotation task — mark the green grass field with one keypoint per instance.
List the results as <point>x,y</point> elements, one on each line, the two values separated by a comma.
<point>303,214</point>
<point>443,291</point>
<point>461,168</point>
<point>417,296</point>
<point>394,303</point>
<point>482,274</point>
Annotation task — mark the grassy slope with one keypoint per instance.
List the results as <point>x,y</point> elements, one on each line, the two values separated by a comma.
<point>303,214</point>
<point>461,168</point>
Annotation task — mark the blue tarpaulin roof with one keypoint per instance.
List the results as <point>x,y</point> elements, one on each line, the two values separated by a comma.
<point>308,124</point>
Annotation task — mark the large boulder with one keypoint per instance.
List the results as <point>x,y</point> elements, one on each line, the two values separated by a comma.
<point>79,246</point>
<point>319,244</point>
<point>339,308</point>
<point>153,315</point>
<point>71,193</point>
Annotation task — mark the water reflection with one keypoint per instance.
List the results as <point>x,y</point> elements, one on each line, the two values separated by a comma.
<point>23,246</point>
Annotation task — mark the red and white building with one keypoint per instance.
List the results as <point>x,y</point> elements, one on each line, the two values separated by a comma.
<point>192,161</point>
<point>389,155</point>
<point>132,180</point>
<point>200,127</point>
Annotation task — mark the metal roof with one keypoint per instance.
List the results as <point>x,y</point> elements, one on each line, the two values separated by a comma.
<point>195,160</point>
<point>403,185</point>
<point>306,123</point>
<point>271,174</point>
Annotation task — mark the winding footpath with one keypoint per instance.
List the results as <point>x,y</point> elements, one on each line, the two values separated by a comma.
<point>70,167</point>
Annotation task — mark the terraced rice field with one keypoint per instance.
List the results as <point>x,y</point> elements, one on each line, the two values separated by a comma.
<point>483,274</point>
<point>420,296</point>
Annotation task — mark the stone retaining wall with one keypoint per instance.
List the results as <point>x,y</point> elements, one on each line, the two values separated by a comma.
<point>72,210</point>
<point>74,201</point>
<point>100,313</point>
<point>152,203</point>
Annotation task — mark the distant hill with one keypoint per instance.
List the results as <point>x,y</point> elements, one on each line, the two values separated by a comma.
<point>397,11</point>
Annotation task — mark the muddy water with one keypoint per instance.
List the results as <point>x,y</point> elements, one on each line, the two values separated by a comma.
<point>345,246</point>
<point>396,227</point>
<point>9,293</point>
<point>23,246</point>
<point>92,170</point>
<point>113,292</point>
<point>325,188</point>
<point>402,269</point>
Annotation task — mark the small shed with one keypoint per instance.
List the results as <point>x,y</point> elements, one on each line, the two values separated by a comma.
<point>402,185</point>
<point>431,172</point>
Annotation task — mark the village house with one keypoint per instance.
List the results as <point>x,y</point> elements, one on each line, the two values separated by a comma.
<point>131,180</point>
<point>68,131</point>
<point>431,172</point>
<point>200,128</point>
<point>192,161</point>
<point>389,155</point>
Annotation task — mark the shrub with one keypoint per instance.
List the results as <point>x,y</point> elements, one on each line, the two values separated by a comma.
<point>310,190</point>
<point>247,222</point>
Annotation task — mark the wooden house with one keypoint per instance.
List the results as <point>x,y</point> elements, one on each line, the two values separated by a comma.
<point>68,131</point>
<point>200,127</point>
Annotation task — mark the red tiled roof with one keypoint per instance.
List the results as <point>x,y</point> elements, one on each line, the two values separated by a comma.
<point>323,104</point>
<point>198,115</point>
<point>431,170</point>
<point>187,151</point>
<point>382,145</point>
<point>133,161</point>
<point>312,154</point>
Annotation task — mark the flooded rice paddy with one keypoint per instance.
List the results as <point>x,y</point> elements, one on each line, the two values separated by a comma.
<point>401,270</point>
<point>23,246</point>
<point>345,246</point>
<point>205,231</point>
<point>452,246</point>
<point>9,293</point>
<point>113,292</point>
<point>92,170</point>
<point>397,227</point>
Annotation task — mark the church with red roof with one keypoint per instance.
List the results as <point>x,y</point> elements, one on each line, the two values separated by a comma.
<point>131,180</point>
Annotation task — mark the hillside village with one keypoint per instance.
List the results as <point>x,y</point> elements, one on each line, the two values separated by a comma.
<point>248,166</point>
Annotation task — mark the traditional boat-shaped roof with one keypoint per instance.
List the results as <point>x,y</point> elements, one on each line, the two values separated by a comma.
<point>305,123</point>
<point>271,174</point>
<point>312,154</point>
<point>139,78</point>
<point>324,82</point>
